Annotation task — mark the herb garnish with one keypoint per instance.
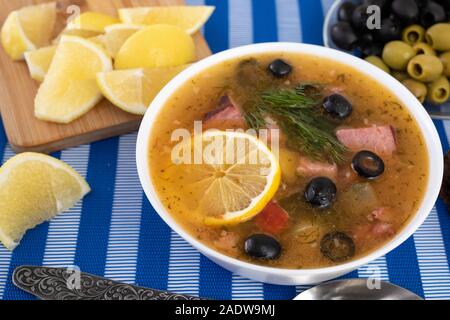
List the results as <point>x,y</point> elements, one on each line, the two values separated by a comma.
<point>296,112</point>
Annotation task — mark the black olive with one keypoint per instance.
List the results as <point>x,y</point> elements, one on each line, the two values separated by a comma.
<point>444,3</point>
<point>359,18</point>
<point>391,29</point>
<point>421,3</point>
<point>368,165</point>
<point>406,10</point>
<point>371,49</point>
<point>431,14</point>
<point>367,37</point>
<point>343,35</point>
<point>321,192</point>
<point>280,68</point>
<point>337,246</point>
<point>368,46</point>
<point>262,246</point>
<point>384,5</point>
<point>345,11</point>
<point>337,106</point>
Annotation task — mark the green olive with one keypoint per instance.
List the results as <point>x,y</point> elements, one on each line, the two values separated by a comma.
<point>376,61</point>
<point>396,54</point>
<point>425,68</point>
<point>438,36</point>
<point>400,75</point>
<point>413,34</point>
<point>423,48</point>
<point>439,91</point>
<point>445,58</point>
<point>417,88</point>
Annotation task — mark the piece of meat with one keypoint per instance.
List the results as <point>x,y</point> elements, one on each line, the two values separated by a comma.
<point>227,115</point>
<point>378,139</point>
<point>384,214</point>
<point>227,241</point>
<point>226,110</point>
<point>273,219</point>
<point>309,168</point>
<point>379,226</point>
<point>382,229</point>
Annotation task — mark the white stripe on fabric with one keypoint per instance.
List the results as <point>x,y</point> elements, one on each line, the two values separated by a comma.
<point>63,230</point>
<point>301,288</point>
<point>376,269</point>
<point>5,254</point>
<point>288,21</point>
<point>326,5</point>
<point>184,267</point>
<point>240,22</point>
<point>432,258</point>
<point>123,242</point>
<point>246,289</point>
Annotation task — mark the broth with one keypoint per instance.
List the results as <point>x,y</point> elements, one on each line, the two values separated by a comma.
<point>371,212</point>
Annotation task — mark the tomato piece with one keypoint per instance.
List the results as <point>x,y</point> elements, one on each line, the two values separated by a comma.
<point>273,219</point>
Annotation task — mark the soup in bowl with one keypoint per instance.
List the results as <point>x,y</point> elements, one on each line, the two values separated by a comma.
<point>289,163</point>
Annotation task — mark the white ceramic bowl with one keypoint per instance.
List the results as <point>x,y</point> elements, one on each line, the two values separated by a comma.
<point>278,275</point>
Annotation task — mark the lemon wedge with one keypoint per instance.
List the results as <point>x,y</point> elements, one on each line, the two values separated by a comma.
<point>133,90</point>
<point>28,29</point>
<point>34,188</point>
<point>156,46</point>
<point>116,35</point>
<point>38,62</point>
<point>92,21</point>
<point>237,177</point>
<point>78,33</point>
<point>70,88</point>
<point>189,18</point>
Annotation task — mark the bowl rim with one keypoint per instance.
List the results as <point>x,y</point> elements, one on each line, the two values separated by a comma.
<point>326,23</point>
<point>423,120</point>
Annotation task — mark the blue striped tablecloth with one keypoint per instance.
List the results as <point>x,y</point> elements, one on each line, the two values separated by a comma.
<point>116,233</point>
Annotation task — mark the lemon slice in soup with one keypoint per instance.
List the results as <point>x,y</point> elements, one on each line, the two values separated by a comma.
<point>233,178</point>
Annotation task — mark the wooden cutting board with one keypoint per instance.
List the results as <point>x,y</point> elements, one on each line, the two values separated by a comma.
<point>17,90</point>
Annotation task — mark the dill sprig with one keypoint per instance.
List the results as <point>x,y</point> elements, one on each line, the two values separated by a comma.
<point>296,112</point>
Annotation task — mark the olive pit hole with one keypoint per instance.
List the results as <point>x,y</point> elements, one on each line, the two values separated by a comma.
<point>413,36</point>
<point>417,69</point>
<point>441,93</point>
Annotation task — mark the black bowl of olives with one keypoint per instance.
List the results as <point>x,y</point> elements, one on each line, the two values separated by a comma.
<point>409,39</point>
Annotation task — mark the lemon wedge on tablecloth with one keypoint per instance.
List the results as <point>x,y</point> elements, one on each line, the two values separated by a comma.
<point>28,29</point>
<point>189,18</point>
<point>237,177</point>
<point>38,62</point>
<point>34,188</point>
<point>156,46</point>
<point>70,87</point>
<point>133,90</point>
<point>92,21</point>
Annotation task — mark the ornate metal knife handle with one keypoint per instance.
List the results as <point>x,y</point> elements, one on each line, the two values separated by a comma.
<point>57,284</point>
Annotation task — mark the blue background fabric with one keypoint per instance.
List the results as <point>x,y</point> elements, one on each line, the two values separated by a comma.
<point>115,232</point>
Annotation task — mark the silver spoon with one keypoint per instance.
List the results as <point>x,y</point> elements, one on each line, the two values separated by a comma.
<point>356,289</point>
<point>61,284</point>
